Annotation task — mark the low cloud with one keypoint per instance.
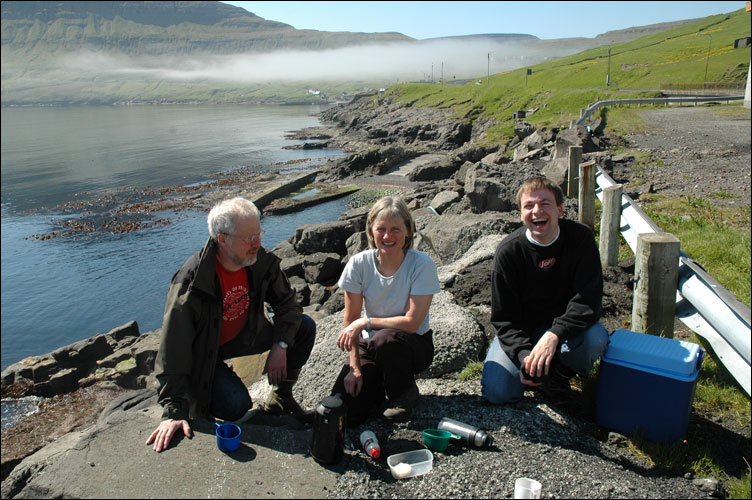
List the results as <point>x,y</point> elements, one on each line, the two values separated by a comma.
<point>403,61</point>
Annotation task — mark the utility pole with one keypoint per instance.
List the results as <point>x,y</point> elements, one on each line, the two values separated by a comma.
<point>431,72</point>
<point>707,59</point>
<point>488,70</point>
<point>608,73</point>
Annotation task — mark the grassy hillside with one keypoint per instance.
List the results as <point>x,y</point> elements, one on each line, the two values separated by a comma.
<point>560,88</point>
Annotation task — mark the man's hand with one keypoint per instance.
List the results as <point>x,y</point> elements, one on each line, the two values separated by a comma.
<point>353,382</point>
<point>167,428</point>
<point>539,360</point>
<point>276,365</point>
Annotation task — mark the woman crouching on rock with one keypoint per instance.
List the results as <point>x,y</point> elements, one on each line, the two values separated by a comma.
<point>392,342</point>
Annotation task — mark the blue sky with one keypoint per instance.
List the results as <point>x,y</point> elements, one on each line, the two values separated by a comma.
<point>423,20</point>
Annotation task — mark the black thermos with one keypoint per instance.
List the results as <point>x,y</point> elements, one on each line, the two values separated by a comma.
<point>328,444</point>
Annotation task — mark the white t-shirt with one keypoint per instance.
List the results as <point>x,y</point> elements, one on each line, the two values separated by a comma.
<point>385,297</point>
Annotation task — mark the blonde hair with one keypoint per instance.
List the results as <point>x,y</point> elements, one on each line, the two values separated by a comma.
<point>391,206</point>
<point>534,184</point>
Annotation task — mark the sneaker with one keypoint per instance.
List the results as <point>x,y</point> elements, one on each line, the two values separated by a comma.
<point>557,389</point>
<point>400,409</point>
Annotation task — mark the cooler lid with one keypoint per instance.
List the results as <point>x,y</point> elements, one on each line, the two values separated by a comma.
<point>673,357</point>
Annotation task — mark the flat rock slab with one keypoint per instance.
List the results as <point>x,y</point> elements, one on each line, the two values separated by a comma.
<point>406,167</point>
<point>110,460</point>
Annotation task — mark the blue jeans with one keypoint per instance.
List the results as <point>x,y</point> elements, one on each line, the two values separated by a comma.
<point>230,399</point>
<point>500,382</point>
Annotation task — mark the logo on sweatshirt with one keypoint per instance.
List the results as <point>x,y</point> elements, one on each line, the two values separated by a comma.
<point>547,264</point>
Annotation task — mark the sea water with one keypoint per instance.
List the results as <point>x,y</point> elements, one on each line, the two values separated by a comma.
<point>59,291</point>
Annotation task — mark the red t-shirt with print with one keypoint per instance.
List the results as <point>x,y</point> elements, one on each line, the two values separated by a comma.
<point>235,301</point>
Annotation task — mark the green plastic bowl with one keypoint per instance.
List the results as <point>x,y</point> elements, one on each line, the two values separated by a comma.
<point>436,439</point>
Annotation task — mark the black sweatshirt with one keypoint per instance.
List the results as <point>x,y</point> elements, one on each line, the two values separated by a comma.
<point>558,288</point>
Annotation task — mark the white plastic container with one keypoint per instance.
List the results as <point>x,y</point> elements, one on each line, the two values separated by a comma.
<point>418,461</point>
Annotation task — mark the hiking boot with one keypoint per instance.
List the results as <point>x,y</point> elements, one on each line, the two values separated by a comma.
<point>400,409</point>
<point>282,402</point>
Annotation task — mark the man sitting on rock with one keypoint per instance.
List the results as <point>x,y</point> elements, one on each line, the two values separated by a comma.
<point>215,311</point>
<point>546,299</point>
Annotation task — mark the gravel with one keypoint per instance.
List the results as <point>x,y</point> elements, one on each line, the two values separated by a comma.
<point>571,457</point>
<point>695,151</point>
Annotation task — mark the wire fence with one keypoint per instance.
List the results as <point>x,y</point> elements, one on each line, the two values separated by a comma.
<point>695,88</point>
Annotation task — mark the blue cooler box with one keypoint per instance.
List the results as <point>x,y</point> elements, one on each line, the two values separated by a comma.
<point>647,385</point>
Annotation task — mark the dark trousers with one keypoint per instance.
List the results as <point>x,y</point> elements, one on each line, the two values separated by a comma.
<point>388,363</point>
<point>230,398</point>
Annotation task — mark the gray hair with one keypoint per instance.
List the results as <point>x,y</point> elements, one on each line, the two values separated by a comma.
<point>391,206</point>
<point>221,219</point>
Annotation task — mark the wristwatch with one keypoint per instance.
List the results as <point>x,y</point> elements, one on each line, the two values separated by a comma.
<point>368,324</point>
<point>282,344</point>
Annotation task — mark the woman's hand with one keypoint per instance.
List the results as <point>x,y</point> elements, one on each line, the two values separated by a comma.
<point>353,382</point>
<point>350,335</point>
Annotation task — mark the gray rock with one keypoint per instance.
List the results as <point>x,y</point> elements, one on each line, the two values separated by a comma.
<point>323,268</point>
<point>523,129</point>
<point>444,199</point>
<point>302,291</point>
<point>324,237</point>
<point>442,169</point>
<point>293,266</point>
<point>483,249</point>
<point>448,237</point>
<point>356,243</point>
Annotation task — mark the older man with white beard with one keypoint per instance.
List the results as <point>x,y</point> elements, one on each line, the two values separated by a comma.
<point>214,312</point>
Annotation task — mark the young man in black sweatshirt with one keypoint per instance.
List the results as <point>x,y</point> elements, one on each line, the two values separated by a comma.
<point>546,296</point>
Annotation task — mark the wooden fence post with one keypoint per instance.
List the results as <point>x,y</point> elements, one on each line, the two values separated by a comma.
<point>656,278</point>
<point>610,225</point>
<point>586,211</point>
<point>575,158</point>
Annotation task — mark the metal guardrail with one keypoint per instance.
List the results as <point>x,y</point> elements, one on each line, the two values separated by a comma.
<point>702,303</point>
<point>585,113</point>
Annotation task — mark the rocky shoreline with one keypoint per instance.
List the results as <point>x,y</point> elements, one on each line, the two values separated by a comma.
<point>462,197</point>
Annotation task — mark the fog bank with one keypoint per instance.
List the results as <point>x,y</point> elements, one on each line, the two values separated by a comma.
<point>396,62</point>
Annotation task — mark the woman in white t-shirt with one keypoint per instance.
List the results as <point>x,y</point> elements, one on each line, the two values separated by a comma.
<point>392,341</point>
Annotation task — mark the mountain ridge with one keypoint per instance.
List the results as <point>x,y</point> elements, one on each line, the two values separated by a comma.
<point>115,52</point>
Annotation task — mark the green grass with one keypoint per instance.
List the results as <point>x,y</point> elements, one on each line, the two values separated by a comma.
<point>717,238</point>
<point>472,371</point>
<point>560,88</point>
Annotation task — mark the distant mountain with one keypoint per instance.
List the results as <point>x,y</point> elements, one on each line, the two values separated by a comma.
<point>159,28</point>
<point>108,52</point>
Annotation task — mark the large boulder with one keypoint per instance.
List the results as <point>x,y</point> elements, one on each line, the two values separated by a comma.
<point>442,169</point>
<point>324,237</point>
<point>457,337</point>
<point>573,136</point>
<point>322,267</point>
<point>483,249</point>
<point>523,129</point>
<point>494,187</point>
<point>356,243</point>
<point>444,200</point>
<point>557,171</point>
<point>448,237</point>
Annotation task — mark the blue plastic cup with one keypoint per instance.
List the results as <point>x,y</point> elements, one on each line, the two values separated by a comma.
<point>228,437</point>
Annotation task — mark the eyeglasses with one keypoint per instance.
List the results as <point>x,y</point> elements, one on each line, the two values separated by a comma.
<point>254,238</point>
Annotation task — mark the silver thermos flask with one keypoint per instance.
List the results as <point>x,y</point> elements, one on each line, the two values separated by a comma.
<point>468,434</point>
